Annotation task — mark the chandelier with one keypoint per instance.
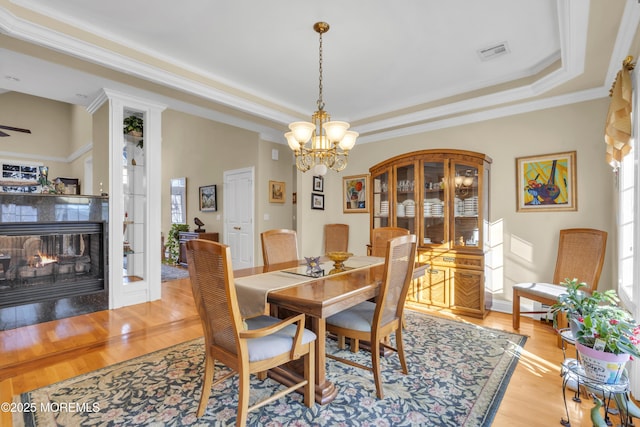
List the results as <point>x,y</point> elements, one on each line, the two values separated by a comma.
<point>330,140</point>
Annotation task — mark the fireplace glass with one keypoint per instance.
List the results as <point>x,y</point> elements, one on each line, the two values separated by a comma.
<point>42,261</point>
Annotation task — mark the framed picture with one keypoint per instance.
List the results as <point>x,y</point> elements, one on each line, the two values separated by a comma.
<point>546,183</point>
<point>354,193</point>
<point>276,191</point>
<point>208,200</point>
<point>317,201</point>
<point>318,184</point>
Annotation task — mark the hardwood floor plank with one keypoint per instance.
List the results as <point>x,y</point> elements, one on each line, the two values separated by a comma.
<point>37,355</point>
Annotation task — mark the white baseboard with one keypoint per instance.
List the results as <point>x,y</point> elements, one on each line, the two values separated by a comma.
<point>504,306</point>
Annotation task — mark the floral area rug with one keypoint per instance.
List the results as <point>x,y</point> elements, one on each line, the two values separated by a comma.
<point>458,374</point>
<point>172,273</point>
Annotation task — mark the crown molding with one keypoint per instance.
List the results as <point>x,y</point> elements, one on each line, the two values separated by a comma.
<point>573,25</point>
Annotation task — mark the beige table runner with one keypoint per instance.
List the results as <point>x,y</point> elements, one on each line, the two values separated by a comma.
<point>252,290</point>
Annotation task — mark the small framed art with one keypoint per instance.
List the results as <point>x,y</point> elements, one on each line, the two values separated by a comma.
<point>317,201</point>
<point>546,183</point>
<point>277,190</point>
<point>354,193</point>
<point>318,184</point>
<point>208,198</point>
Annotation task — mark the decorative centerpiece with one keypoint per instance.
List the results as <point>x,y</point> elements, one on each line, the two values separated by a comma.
<point>338,259</point>
<point>313,265</point>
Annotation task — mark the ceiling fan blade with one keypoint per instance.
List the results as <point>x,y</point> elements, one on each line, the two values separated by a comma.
<point>3,134</point>
<point>14,129</point>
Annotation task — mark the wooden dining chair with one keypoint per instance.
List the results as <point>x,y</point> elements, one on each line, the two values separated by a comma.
<point>374,322</point>
<point>279,245</point>
<point>580,255</point>
<point>336,238</point>
<point>258,344</point>
<point>380,236</point>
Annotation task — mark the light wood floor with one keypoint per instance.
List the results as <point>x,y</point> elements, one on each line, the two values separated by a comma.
<point>34,356</point>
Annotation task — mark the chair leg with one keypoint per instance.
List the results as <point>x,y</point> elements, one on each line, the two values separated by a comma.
<point>400,348</point>
<point>341,342</point>
<point>209,365</point>
<point>243,398</point>
<point>375,365</point>
<point>515,316</point>
<point>355,345</point>
<point>310,376</point>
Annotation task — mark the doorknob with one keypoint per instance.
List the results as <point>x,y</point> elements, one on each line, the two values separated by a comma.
<point>236,228</point>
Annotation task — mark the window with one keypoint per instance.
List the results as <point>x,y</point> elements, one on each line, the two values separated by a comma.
<point>626,227</point>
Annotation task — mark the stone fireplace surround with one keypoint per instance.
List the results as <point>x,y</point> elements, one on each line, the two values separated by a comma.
<point>23,215</point>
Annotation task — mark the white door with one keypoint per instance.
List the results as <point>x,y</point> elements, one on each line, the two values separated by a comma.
<point>238,199</point>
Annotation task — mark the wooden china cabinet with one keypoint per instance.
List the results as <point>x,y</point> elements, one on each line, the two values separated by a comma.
<point>441,196</point>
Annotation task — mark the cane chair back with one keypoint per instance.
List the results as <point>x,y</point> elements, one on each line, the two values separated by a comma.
<point>336,238</point>
<point>381,235</point>
<point>278,246</point>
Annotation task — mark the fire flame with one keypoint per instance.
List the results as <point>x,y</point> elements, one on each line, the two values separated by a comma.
<point>41,260</point>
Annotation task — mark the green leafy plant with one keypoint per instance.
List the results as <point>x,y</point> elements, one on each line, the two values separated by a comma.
<point>611,328</point>
<point>134,125</point>
<point>173,241</point>
<point>576,302</point>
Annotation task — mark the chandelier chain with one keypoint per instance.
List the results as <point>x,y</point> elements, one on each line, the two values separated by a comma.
<point>320,101</point>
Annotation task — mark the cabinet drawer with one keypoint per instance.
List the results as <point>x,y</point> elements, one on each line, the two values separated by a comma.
<point>452,260</point>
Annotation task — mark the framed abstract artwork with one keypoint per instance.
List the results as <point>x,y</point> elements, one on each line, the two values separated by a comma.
<point>546,183</point>
<point>355,193</point>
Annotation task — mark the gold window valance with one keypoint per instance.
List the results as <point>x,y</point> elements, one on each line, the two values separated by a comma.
<point>618,125</point>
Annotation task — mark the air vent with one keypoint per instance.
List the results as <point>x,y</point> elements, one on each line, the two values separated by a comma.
<point>493,51</point>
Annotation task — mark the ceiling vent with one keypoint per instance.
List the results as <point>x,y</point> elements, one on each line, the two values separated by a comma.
<point>494,51</point>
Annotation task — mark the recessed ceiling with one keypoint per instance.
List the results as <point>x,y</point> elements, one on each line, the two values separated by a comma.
<point>388,67</point>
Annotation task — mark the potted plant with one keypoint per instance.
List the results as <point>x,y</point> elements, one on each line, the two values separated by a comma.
<point>134,126</point>
<point>576,303</point>
<point>606,339</point>
<point>173,242</point>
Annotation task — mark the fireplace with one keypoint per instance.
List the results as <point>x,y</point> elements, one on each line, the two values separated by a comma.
<point>44,261</point>
<point>53,257</point>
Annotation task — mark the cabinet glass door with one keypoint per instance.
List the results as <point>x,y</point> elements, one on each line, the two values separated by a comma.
<point>405,202</point>
<point>433,208</point>
<point>134,193</point>
<point>466,231</point>
<point>381,200</point>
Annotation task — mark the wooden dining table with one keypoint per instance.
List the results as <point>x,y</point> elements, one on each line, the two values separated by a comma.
<point>319,298</point>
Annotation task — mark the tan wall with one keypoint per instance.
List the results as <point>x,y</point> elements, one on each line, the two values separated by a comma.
<point>201,150</point>
<point>271,215</point>
<point>60,135</point>
<point>576,127</point>
<point>49,142</point>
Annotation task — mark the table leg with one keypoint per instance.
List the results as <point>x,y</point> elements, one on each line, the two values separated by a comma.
<point>325,389</point>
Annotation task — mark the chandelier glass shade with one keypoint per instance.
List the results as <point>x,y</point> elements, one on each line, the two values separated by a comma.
<point>463,183</point>
<point>321,144</point>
